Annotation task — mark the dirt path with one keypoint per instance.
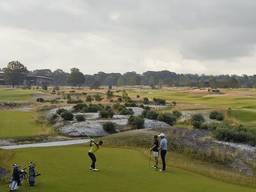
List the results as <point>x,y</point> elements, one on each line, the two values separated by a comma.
<point>47,144</point>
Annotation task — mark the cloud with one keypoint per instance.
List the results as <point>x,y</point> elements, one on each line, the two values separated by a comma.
<point>197,36</point>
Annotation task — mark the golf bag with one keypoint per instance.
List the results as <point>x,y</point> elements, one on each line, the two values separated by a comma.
<point>13,185</point>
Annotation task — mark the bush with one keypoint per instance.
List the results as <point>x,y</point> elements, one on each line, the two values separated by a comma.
<point>80,118</point>
<point>177,114</point>
<point>216,115</point>
<point>150,114</point>
<point>197,120</point>
<point>40,100</point>
<point>93,108</point>
<point>97,97</point>
<point>109,94</point>
<point>167,118</point>
<point>81,107</point>
<point>137,122</point>
<point>106,113</point>
<point>67,116</point>
<point>60,111</point>
<point>126,111</point>
<point>88,99</point>
<point>159,101</point>
<point>120,99</point>
<point>145,101</point>
<point>236,135</point>
<point>70,101</point>
<point>53,119</point>
<point>110,127</point>
<point>130,104</point>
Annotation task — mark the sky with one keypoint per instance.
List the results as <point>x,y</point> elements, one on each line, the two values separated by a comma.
<point>183,36</point>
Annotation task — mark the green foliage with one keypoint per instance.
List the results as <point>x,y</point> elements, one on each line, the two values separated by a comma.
<point>106,113</point>
<point>97,97</point>
<point>67,116</point>
<point>197,120</point>
<point>60,111</point>
<point>80,118</point>
<point>177,114</point>
<point>236,135</point>
<point>130,104</point>
<point>159,101</point>
<point>110,127</point>
<point>216,116</point>
<point>137,122</point>
<point>15,73</point>
<point>81,107</point>
<point>88,98</point>
<point>146,101</point>
<point>168,118</point>
<point>150,114</point>
<point>126,111</point>
<point>109,94</point>
<point>76,78</point>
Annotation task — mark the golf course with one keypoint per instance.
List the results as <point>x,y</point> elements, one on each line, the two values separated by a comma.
<point>66,169</point>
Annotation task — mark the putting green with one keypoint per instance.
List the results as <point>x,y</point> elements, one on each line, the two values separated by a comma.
<point>65,169</point>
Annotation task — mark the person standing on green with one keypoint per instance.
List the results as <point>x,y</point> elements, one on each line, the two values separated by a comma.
<point>93,148</point>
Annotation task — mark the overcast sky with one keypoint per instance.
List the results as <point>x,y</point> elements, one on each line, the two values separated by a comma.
<point>184,36</point>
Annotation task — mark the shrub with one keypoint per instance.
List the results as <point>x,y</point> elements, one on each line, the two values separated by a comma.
<point>53,119</point>
<point>67,116</point>
<point>109,94</point>
<point>145,101</point>
<point>60,111</point>
<point>45,87</point>
<point>130,104</point>
<point>237,135</point>
<point>88,99</point>
<point>97,97</point>
<point>177,114</point>
<point>167,118</point>
<point>126,111</point>
<point>81,107</point>
<point>110,127</point>
<point>120,99</point>
<point>216,115</point>
<point>106,113</point>
<point>150,114</point>
<point>137,122</point>
<point>197,120</point>
<point>80,118</point>
<point>40,100</point>
<point>70,101</point>
<point>159,101</point>
<point>117,107</point>
<point>93,108</point>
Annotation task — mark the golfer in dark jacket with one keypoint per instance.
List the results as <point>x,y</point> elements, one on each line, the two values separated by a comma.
<point>163,150</point>
<point>31,174</point>
<point>155,151</point>
<point>15,178</point>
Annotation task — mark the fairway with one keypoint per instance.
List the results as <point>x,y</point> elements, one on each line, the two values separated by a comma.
<point>20,124</point>
<point>65,169</point>
<point>15,95</point>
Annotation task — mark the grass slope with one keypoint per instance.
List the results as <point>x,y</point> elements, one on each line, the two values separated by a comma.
<point>15,95</point>
<point>20,124</point>
<point>65,169</point>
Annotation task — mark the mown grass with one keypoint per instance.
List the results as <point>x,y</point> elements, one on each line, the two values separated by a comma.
<point>14,124</point>
<point>65,169</point>
<point>15,95</point>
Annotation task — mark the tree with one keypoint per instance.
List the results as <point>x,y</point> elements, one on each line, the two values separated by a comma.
<point>15,73</point>
<point>76,78</point>
<point>60,77</point>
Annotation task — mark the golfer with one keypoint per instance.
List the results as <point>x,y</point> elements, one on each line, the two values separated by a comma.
<point>32,174</point>
<point>93,148</point>
<point>163,150</point>
<point>15,182</point>
<point>155,151</point>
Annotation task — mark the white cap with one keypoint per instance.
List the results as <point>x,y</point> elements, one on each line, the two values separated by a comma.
<point>161,135</point>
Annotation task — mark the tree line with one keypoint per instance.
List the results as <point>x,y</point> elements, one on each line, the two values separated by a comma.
<point>15,72</point>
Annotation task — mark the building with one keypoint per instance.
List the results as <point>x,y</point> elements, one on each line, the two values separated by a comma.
<point>1,77</point>
<point>35,80</point>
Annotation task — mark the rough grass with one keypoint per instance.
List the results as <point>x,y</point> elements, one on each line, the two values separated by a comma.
<point>15,124</point>
<point>143,139</point>
<point>15,95</point>
<point>65,169</point>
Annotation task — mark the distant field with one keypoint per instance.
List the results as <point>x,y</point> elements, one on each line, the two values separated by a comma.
<point>121,170</point>
<point>239,98</point>
<point>15,95</point>
<point>20,124</point>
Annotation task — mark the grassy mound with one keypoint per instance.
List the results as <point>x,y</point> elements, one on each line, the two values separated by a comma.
<point>14,95</point>
<point>65,169</point>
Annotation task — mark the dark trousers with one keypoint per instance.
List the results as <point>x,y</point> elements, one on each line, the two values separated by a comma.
<point>163,155</point>
<point>93,158</point>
